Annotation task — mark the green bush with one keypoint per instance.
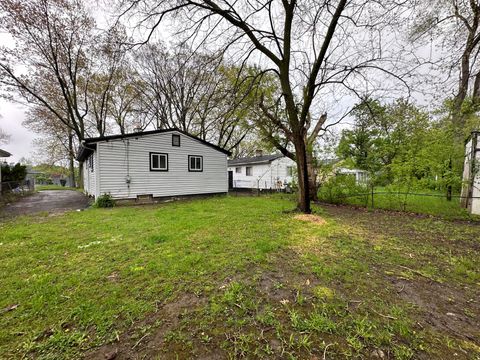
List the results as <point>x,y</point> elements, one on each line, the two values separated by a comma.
<point>339,188</point>
<point>105,201</point>
<point>15,172</point>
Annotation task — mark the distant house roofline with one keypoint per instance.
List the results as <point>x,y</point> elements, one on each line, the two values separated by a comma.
<point>344,170</point>
<point>254,160</point>
<point>89,145</point>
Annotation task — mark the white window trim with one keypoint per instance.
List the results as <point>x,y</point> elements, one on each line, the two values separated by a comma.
<point>152,154</point>
<point>189,163</point>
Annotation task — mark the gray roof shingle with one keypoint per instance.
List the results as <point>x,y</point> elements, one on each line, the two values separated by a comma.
<point>254,160</point>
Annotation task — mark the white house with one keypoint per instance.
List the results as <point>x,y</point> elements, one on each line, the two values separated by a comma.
<point>152,164</point>
<point>361,176</point>
<point>261,172</point>
<point>471,174</point>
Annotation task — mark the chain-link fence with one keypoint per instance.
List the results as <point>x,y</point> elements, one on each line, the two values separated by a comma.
<point>433,203</point>
<point>17,187</point>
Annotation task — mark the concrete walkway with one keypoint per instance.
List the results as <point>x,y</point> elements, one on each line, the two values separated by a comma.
<point>51,201</point>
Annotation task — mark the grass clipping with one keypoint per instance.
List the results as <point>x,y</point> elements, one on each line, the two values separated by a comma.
<point>311,218</point>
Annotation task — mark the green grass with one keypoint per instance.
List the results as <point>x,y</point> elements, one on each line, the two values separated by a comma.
<point>53,187</point>
<point>253,280</point>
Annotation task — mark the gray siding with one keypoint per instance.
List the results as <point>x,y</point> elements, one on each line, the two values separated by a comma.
<point>121,157</point>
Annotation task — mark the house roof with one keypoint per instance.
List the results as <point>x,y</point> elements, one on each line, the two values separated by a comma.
<point>471,135</point>
<point>89,145</point>
<point>254,160</point>
<point>4,153</point>
<point>343,170</point>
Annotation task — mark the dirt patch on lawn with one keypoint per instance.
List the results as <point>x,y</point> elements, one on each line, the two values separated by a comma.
<point>446,306</point>
<point>443,308</point>
<point>310,218</point>
<point>146,339</point>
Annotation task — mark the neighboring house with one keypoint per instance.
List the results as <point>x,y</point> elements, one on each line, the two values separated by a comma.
<point>261,172</point>
<point>361,176</point>
<point>32,175</point>
<point>471,174</point>
<point>159,163</point>
<point>61,180</point>
<point>3,154</point>
<point>43,178</point>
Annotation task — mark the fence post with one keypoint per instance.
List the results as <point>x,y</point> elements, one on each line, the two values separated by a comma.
<point>372,198</point>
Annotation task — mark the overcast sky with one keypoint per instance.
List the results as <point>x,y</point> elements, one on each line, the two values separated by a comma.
<point>11,118</point>
<point>20,144</point>
<point>12,115</point>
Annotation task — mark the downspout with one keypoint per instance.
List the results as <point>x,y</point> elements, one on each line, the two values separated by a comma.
<point>127,177</point>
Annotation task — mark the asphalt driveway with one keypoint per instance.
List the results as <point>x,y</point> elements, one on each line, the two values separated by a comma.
<point>51,201</point>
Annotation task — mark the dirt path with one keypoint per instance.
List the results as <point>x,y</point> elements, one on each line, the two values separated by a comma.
<point>51,201</point>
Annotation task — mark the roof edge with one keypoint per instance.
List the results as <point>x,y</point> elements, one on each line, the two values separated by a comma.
<point>4,153</point>
<point>153,132</point>
<point>251,160</point>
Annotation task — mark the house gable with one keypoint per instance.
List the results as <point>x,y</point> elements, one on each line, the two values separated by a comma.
<point>89,145</point>
<point>125,165</point>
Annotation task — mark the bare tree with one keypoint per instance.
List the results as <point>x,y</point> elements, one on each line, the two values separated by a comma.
<point>454,27</point>
<point>308,46</point>
<point>128,108</point>
<point>192,92</point>
<point>110,90</point>
<point>57,143</point>
<point>48,67</point>
<point>4,136</point>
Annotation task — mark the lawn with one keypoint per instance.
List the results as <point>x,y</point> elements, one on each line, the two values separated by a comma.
<point>228,277</point>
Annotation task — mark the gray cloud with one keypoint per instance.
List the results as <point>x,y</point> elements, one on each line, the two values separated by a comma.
<point>20,144</point>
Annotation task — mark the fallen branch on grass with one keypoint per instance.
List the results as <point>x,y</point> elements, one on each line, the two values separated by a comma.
<point>418,272</point>
<point>139,341</point>
<point>385,316</point>
<point>325,351</point>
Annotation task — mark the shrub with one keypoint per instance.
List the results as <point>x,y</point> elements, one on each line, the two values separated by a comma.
<point>15,172</point>
<point>105,201</point>
<point>338,188</point>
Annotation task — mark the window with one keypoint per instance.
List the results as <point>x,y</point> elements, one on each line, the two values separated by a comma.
<point>289,170</point>
<point>238,170</point>
<point>158,162</point>
<point>195,163</point>
<point>90,163</point>
<point>248,171</point>
<point>175,140</point>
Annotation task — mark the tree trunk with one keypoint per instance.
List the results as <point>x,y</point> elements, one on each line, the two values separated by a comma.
<point>302,169</point>
<point>71,160</point>
<point>312,177</point>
